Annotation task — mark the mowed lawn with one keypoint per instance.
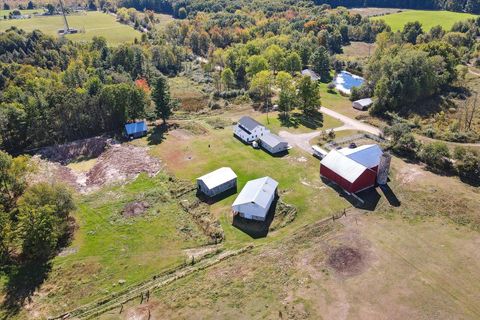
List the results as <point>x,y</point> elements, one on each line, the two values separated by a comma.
<point>89,24</point>
<point>428,19</point>
<point>298,175</point>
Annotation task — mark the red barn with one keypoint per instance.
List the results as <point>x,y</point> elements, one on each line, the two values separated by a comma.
<point>353,170</point>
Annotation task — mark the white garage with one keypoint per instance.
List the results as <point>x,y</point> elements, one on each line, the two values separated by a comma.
<point>217,182</point>
<point>255,199</point>
<point>273,143</point>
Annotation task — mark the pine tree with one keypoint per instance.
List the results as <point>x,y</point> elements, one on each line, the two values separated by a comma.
<point>161,97</point>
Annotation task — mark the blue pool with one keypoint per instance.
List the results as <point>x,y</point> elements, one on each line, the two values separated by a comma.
<point>345,81</point>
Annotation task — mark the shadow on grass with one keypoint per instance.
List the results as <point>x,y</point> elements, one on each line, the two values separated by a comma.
<point>158,135</point>
<point>390,196</point>
<point>256,229</point>
<point>365,200</point>
<point>312,119</point>
<point>219,197</point>
<point>23,281</point>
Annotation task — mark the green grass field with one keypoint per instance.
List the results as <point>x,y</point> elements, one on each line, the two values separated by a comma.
<point>4,13</point>
<point>89,24</point>
<point>109,247</point>
<point>428,19</point>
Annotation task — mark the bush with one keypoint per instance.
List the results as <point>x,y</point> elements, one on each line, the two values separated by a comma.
<point>437,156</point>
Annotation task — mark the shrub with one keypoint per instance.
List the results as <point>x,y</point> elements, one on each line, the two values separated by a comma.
<point>437,156</point>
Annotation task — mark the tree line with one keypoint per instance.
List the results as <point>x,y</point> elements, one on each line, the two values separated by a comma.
<point>54,91</point>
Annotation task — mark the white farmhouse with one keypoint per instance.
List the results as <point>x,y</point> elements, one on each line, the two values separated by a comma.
<point>249,130</point>
<point>255,199</point>
<point>216,182</point>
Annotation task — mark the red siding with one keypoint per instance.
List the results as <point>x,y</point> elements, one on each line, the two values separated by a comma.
<point>365,180</point>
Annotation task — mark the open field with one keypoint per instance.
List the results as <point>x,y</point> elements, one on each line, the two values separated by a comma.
<point>164,20</point>
<point>418,271</point>
<point>115,247</point>
<point>371,12</point>
<point>89,24</point>
<point>428,19</point>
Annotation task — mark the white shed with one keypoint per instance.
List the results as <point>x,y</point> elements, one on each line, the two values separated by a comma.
<point>255,199</point>
<point>216,182</point>
<point>273,143</point>
<point>363,104</point>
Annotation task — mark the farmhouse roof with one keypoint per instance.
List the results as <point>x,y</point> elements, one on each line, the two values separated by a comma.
<point>249,123</point>
<point>272,139</point>
<point>312,74</point>
<point>258,191</point>
<point>345,167</point>
<point>218,177</point>
<point>135,127</point>
<point>365,102</point>
<point>367,155</point>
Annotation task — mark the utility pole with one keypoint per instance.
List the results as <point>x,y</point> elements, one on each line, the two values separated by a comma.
<point>66,26</point>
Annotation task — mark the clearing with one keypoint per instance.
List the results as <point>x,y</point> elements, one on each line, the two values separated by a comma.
<point>428,19</point>
<point>89,24</point>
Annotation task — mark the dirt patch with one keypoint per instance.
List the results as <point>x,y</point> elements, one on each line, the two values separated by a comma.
<point>345,259</point>
<point>81,149</point>
<point>121,162</point>
<point>410,174</point>
<point>135,209</point>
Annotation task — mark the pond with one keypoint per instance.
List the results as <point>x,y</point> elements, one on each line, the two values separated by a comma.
<point>345,81</point>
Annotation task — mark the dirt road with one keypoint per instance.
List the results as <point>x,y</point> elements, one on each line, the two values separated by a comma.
<point>302,141</point>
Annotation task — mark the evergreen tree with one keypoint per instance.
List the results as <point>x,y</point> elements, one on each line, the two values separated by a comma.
<point>161,97</point>
<point>320,63</point>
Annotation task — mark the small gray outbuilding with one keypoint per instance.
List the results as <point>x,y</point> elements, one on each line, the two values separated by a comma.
<point>217,182</point>
<point>273,143</point>
<point>362,104</point>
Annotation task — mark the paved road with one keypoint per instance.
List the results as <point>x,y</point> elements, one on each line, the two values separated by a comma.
<point>302,141</point>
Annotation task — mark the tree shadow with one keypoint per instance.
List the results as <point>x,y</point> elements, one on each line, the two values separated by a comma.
<point>312,119</point>
<point>158,135</point>
<point>23,281</point>
<point>256,229</point>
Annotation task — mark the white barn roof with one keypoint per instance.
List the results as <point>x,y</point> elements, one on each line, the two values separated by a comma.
<point>367,155</point>
<point>258,191</point>
<point>345,167</point>
<point>218,177</point>
<point>272,139</point>
<point>365,102</point>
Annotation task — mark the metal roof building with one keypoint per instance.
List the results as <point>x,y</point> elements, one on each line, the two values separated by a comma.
<point>367,155</point>
<point>352,169</point>
<point>255,199</point>
<point>135,129</point>
<point>273,143</point>
<point>216,182</point>
<point>310,73</point>
<point>362,104</point>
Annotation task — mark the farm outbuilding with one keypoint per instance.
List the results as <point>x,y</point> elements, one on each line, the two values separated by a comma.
<point>362,104</point>
<point>255,199</point>
<point>353,169</point>
<point>273,143</point>
<point>217,182</point>
<point>135,130</point>
<point>310,73</point>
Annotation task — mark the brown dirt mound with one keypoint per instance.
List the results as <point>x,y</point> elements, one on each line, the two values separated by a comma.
<point>135,209</point>
<point>346,259</point>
